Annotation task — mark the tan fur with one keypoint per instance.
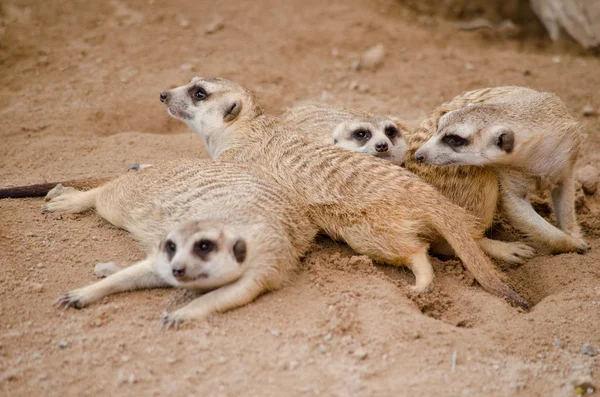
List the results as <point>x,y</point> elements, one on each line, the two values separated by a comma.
<point>221,202</point>
<point>379,209</point>
<point>544,143</point>
<point>469,187</point>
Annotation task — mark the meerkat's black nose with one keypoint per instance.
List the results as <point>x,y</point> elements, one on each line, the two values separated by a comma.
<point>164,96</point>
<point>179,271</point>
<point>420,158</point>
<point>381,147</point>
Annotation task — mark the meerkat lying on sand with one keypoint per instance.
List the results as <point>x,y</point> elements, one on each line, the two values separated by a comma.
<point>472,188</point>
<point>355,130</point>
<point>383,211</point>
<point>521,135</point>
<point>239,236</point>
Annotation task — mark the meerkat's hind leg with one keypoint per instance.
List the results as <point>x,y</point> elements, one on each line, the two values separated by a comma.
<point>138,276</point>
<point>70,200</point>
<point>512,252</point>
<point>231,296</point>
<point>421,267</point>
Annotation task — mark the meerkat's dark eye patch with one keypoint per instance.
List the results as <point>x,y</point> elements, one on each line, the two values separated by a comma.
<point>506,141</point>
<point>361,134</point>
<point>197,93</point>
<point>170,248</point>
<point>391,131</point>
<point>455,141</point>
<point>204,247</point>
<point>239,250</point>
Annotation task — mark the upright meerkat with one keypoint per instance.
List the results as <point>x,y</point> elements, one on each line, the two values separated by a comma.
<point>472,188</point>
<point>519,134</point>
<point>379,209</point>
<point>240,236</point>
<point>350,129</point>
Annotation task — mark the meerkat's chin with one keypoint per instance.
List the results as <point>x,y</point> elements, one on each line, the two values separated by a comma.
<point>179,114</point>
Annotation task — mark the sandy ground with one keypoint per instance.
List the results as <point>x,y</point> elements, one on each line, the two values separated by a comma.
<point>79,84</point>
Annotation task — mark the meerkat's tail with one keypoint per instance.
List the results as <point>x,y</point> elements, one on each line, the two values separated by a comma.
<point>41,189</point>
<point>454,230</point>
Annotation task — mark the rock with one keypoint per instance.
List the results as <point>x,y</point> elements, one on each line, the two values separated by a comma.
<point>102,270</point>
<point>588,176</point>
<point>589,111</point>
<point>589,350</point>
<point>353,85</point>
<point>214,26</point>
<point>373,57</point>
<point>355,65</point>
<point>63,344</point>
<point>184,23</point>
<point>39,265</point>
<point>327,337</point>
<point>186,67</point>
<point>469,67</point>
<point>558,343</point>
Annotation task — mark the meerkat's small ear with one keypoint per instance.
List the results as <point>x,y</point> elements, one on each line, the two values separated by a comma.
<point>506,140</point>
<point>444,117</point>
<point>239,250</point>
<point>232,111</point>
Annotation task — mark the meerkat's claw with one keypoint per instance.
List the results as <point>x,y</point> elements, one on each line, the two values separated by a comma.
<point>416,289</point>
<point>138,167</point>
<point>170,320</point>
<point>68,300</point>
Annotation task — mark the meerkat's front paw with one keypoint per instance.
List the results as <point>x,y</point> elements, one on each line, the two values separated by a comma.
<point>73,299</point>
<point>170,320</point>
<point>581,245</point>
<point>418,289</point>
<point>518,252</point>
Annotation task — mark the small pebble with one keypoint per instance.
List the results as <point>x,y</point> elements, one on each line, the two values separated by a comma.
<point>353,85</point>
<point>39,265</point>
<point>589,177</point>
<point>589,350</point>
<point>469,66</point>
<point>214,27</point>
<point>558,343</point>
<point>63,344</point>
<point>327,337</point>
<point>274,332</point>
<point>556,59</point>
<point>589,111</point>
<point>360,354</point>
<point>373,57</point>
<point>186,67</point>
<point>355,65</point>
<point>184,23</point>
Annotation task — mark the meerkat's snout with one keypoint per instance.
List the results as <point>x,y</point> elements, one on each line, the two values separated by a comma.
<point>165,96</point>
<point>381,147</point>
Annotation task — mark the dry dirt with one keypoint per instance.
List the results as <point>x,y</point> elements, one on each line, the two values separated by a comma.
<point>79,84</point>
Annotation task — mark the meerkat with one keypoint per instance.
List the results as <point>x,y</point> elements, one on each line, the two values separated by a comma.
<point>521,135</point>
<point>206,226</point>
<point>478,193</point>
<point>350,129</point>
<point>377,208</point>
